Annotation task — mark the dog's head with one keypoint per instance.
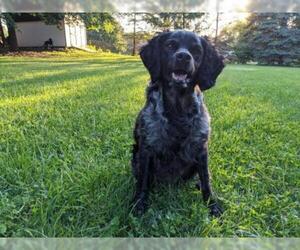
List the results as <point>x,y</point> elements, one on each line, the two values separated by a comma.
<point>182,59</point>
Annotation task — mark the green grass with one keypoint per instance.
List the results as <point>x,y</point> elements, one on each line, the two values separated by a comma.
<point>66,126</point>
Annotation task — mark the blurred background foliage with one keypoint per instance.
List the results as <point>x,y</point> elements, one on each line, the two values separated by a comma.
<point>263,38</point>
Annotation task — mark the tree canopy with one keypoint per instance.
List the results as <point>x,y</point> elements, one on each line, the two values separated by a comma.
<point>172,20</point>
<point>266,38</point>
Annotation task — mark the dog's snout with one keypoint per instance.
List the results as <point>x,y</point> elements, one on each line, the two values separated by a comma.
<point>183,57</point>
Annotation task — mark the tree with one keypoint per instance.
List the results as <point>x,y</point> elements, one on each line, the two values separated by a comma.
<point>12,37</point>
<point>268,38</point>
<point>141,37</point>
<point>133,18</point>
<point>273,39</point>
<point>2,36</point>
<point>172,20</point>
<point>230,42</point>
<point>104,31</point>
<point>202,23</point>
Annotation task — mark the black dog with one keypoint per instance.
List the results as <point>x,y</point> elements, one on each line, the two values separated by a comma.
<point>48,44</point>
<point>172,130</point>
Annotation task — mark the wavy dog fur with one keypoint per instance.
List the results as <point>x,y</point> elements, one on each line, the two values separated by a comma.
<point>172,130</point>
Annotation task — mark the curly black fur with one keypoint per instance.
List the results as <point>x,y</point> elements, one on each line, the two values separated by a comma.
<point>172,130</point>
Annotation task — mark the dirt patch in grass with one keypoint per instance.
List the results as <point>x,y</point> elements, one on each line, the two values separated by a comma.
<point>38,54</point>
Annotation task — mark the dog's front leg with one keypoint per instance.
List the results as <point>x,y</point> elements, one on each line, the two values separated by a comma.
<point>203,171</point>
<point>143,181</point>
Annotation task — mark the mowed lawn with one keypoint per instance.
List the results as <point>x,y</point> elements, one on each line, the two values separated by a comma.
<point>66,124</point>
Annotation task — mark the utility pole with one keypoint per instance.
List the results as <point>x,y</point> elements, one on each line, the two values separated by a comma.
<point>217,27</point>
<point>134,34</point>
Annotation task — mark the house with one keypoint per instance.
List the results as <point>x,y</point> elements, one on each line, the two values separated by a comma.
<point>32,32</point>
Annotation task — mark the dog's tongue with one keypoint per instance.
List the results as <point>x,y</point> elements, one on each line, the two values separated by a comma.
<point>179,77</point>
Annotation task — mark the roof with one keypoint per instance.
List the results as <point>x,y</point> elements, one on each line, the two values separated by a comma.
<point>26,18</point>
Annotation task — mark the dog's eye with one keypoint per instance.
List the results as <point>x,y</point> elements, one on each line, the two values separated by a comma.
<point>196,52</point>
<point>196,49</point>
<point>172,45</point>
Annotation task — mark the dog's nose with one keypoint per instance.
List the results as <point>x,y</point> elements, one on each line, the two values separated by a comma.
<point>183,57</point>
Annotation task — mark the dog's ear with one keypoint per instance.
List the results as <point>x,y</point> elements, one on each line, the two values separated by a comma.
<point>211,66</point>
<point>150,55</point>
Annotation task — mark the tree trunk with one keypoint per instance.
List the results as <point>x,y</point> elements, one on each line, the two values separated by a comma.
<point>2,37</point>
<point>12,38</point>
<point>217,28</point>
<point>134,34</point>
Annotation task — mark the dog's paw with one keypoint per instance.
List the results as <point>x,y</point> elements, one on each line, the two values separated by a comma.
<point>198,185</point>
<point>215,209</point>
<point>139,205</point>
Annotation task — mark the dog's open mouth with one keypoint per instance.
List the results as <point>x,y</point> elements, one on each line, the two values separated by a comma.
<point>180,76</point>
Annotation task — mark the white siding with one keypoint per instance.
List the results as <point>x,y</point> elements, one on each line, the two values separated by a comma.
<point>83,36</point>
<point>68,35</point>
<point>75,35</point>
<point>34,34</point>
